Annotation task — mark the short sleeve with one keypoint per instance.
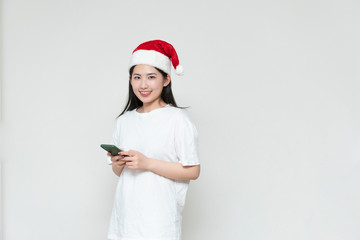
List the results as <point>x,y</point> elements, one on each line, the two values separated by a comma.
<point>186,140</point>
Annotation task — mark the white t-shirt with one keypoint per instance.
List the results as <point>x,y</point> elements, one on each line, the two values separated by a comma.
<point>148,206</point>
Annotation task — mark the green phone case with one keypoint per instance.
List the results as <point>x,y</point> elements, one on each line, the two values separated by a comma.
<point>114,150</point>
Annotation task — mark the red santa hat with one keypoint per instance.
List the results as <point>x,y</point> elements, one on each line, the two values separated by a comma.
<point>157,53</point>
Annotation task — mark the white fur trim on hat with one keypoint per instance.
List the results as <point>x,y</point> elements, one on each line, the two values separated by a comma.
<point>152,58</point>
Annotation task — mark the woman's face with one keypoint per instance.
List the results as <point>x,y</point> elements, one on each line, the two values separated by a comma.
<point>147,83</point>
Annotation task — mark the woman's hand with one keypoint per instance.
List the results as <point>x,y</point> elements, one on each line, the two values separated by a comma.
<point>173,170</point>
<point>117,161</point>
<point>135,160</point>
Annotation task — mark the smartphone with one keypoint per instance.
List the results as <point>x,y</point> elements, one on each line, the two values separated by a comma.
<point>114,150</point>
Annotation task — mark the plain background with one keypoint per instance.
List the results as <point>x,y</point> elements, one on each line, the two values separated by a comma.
<point>273,87</point>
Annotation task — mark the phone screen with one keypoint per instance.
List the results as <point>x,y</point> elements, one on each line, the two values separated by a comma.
<point>114,150</point>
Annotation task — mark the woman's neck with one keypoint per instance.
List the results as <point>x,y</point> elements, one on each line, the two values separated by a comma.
<point>148,107</point>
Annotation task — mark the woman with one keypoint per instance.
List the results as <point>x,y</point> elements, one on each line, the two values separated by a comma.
<point>160,156</point>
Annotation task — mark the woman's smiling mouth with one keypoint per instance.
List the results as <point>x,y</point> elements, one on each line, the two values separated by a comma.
<point>145,93</point>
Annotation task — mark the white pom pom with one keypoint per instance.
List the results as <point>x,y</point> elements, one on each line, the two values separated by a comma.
<point>179,70</point>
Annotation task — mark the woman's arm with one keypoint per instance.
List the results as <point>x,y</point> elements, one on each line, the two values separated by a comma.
<point>171,170</point>
<point>117,164</point>
<point>117,168</point>
<point>174,170</point>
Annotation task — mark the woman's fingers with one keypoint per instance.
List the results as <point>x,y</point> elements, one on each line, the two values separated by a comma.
<point>134,159</point>
<point>128,153</point>
<point>115,158</point>
<point>119,163</point>
<point>127,158</point>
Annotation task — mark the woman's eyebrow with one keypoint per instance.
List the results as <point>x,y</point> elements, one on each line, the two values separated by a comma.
<point>146,74</point>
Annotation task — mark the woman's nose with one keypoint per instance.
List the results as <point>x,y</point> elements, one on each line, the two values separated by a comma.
<point>143,83</point>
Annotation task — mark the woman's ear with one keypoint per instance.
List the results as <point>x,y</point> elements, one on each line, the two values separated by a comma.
<point>167,80</point>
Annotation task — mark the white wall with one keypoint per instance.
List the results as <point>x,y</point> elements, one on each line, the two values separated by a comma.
<point>273,87</point>
<point>1,130</point>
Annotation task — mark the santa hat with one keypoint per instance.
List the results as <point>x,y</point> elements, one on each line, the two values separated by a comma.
<point>157,53</point>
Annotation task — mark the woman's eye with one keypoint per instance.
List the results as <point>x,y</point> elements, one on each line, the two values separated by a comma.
<point>152,77</point>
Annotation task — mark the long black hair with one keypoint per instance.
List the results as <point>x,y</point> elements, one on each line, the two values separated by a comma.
<point>134,102</point>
